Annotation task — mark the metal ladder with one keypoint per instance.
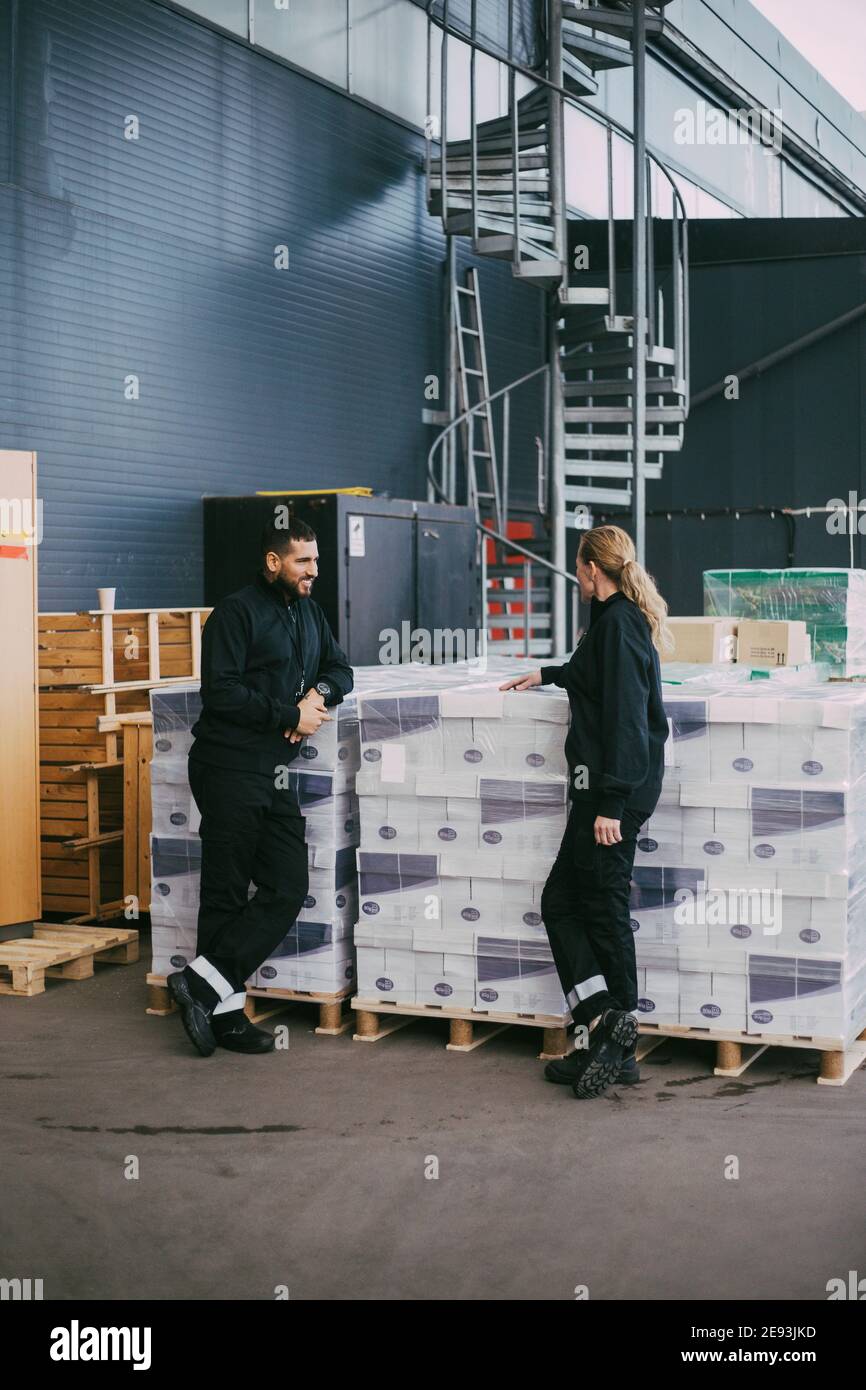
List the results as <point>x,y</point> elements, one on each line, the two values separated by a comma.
<point>474,399</point>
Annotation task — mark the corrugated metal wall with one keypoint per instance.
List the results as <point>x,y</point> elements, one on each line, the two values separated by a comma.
<point>154,259</point>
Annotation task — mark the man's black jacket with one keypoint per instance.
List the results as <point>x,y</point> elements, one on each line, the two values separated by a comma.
<point>618,723</point>
<point>257,655</point>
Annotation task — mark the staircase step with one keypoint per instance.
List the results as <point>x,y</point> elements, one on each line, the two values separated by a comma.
<point>655,386</point>
<point>577,77</point>
<point>529,231</point>
<point>594,468</point>
<point>618,357</point>
<point>599,496</point>
<point>547,272</point>
<point>598,54</point>
<point>588,295</point>
<point>509,621</point>
<point>512,596</point>
<point>489,163</point>
<point>501,247</point>
<point>609,21</point>
<point>490,183</point>
<point>501,205</point>
<point>514,646</point>
<point>615,443</point>
<point>497,144</point>
<point>579,331</point>
<point>622,414</point>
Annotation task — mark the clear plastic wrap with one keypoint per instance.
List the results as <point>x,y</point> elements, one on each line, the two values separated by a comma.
<point>831,602</point>
<point>750,876</point>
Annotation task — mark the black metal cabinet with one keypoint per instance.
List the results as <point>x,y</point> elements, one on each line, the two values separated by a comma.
<point>394,575</point>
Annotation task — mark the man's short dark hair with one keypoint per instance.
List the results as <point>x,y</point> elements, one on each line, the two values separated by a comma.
<point>279,538</point>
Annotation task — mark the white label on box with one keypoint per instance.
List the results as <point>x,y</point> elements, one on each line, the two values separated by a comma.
<point>393,763</point>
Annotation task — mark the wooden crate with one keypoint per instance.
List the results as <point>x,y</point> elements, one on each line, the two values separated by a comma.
<point>96,671</point>
<point>468,1028</point>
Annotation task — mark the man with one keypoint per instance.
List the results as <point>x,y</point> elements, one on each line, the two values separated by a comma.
<point>270,669</point>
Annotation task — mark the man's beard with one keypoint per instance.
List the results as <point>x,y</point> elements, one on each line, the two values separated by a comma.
<point>290,589</point>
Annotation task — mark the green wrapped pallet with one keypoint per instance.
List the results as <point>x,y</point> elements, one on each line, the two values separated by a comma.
<point>831,602</point>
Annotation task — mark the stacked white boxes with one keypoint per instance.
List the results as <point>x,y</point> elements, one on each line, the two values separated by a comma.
<point>316,953</point>
<point>463,801</point>
<point>749,887</point>
<point>175,848</point>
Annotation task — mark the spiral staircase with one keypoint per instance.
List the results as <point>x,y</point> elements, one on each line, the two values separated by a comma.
<point>617,335</point>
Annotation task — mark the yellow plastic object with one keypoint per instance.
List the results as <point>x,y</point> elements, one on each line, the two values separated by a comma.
<point>318,491</point>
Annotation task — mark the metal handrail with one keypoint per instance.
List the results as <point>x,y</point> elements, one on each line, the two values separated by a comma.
<point>475,409</point>
<point>530,555</point>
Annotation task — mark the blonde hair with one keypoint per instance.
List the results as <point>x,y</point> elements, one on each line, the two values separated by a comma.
<point>612,549</point>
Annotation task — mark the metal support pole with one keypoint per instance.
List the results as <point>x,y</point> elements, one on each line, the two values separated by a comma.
<point>639,281</point>
<point>556,457</point>
<point>558,516</point>
<point>555,136</point>
<point>527,606</point>
<point>450,464</point>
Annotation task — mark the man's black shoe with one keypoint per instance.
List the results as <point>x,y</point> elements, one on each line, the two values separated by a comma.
<point>610,1043</point>
<point>564,1071</point>
<point>235,1032</point>
<point>195,1016</point>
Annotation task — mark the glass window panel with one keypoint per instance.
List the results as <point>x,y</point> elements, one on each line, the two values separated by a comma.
<point>231,14</point>
<point>585,163</point>
<point>487,87</point>
<point>311,33</point>
<point>388,56</point>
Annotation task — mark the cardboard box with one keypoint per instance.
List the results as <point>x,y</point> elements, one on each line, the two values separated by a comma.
<point>708,640</point>
<point>769,643</point>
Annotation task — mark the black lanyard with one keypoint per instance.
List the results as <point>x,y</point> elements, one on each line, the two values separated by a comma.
<point>294,628</point>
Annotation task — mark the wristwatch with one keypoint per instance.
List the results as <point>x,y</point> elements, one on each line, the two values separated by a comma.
<point>324,690</point>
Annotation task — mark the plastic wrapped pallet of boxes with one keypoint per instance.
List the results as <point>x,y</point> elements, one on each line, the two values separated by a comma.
<point>316,953</point>
<point>831,602</point>
<point>463,801</point>
<point>749,887</point>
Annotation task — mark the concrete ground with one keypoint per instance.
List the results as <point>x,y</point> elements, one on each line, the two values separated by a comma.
<point>306,1168</point>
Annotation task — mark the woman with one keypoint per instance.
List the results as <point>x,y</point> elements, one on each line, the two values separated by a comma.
<point>615,755</point>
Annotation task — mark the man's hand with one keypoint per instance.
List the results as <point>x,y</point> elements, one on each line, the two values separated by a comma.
<point>522,682</point>
<point>313,716</point>
<point>607,831</point>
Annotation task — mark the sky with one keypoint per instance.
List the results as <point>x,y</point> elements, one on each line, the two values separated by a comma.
<point>831,35</point>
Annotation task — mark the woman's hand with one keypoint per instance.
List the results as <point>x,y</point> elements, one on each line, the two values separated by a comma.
<point>607,831</point>
<point>522,682</point>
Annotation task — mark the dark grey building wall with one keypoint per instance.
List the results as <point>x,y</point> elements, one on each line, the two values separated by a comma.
<point>796,436</point>
<point>155,258</point>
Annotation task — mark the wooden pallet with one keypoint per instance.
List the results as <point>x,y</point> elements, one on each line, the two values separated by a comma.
<point>736,1051</point>
<point>468,1028</point>
<point>61,952</point>
<point>332,1019</point>
<point>96,670</point>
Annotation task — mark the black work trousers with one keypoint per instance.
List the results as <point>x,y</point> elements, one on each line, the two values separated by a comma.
<point>250,831</point>
<point>585,908</point>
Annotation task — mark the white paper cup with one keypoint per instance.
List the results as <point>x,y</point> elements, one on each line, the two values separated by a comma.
<point>106,599</point>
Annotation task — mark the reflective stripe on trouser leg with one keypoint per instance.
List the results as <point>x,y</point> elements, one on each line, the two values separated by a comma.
<point>230,1005</point>
<point>218,983</point>
<point>585,990</point>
